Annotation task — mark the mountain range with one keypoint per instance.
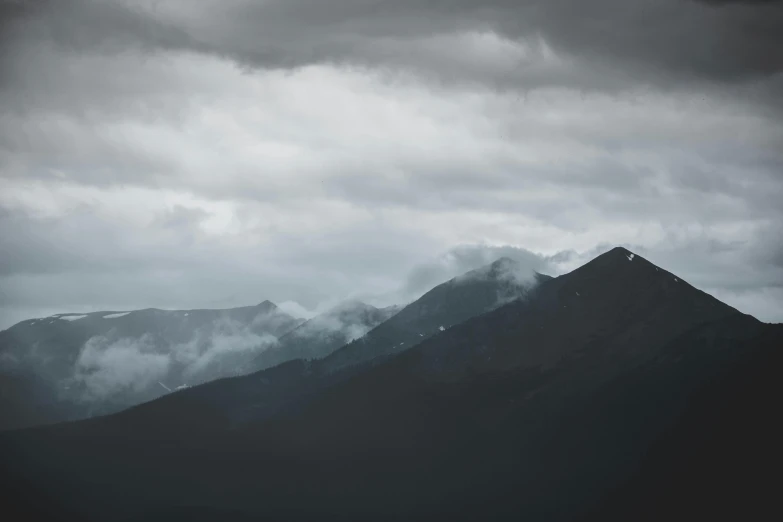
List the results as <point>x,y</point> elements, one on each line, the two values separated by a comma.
<point>72,366</point>
<point>617,391</point>
<point>75,366</point>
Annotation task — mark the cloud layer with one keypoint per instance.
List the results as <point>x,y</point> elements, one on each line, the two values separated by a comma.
<point>188,153</point>
<point>112,369</point>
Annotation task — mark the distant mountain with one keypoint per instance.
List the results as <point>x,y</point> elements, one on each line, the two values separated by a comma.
<point>323,334</point>
<point>73,359</point>
<point>71,366</point>
<point>541,409</point>
<point>471,294</point>
<point>293,383</point>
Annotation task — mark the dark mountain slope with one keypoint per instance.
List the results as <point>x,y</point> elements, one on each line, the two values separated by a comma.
<point>619,305</point>
<point>720,460</point>
<point>534,411</point>
<point>75,366</point>
<point>450,303</point>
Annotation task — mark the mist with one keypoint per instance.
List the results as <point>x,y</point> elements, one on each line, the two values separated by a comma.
<point>108,368</point>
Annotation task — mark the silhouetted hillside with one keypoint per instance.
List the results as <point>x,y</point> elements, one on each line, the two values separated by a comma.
<point>719,461</point>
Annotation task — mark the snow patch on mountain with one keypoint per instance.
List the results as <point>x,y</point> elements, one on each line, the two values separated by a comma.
<point>116,316</point>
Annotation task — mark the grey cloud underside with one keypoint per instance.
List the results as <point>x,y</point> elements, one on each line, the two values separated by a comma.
<point>729,2</point>
<point>662,41</point>
<point>732,53</point>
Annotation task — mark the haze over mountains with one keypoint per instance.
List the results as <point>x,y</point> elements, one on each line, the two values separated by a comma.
<point>324,333</point>
<point>75,366</point>
<point>532,408</point>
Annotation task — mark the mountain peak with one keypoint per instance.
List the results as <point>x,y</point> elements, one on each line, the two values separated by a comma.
<point>621,273</point>
<point>621,251</point>
<point>267,306</point>
<point>494,270</point>
<point>504,261</point>
<point>616,258</point>
<point>351,304</point>
<point>504,271</point>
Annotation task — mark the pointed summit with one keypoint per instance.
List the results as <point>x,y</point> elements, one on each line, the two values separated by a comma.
<point>267,306</point>
<point>621,261</point>
<point>623,284</point>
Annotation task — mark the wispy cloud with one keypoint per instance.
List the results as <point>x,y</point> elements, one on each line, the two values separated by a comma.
<point>107,368</point>
<point>220,351</point>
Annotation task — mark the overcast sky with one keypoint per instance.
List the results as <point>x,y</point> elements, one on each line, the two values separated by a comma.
<point>213,153</point>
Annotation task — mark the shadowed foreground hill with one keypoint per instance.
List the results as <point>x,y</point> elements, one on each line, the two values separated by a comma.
<point>538,410</point>
<point>721,458</point>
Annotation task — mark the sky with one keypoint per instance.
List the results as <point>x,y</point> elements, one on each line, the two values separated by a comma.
<point>216,153</point>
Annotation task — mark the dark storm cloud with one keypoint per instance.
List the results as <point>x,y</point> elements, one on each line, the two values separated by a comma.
<point>685,39</point>
<point>729,2</point>
<point>657,41</point>
<point>92,25</point>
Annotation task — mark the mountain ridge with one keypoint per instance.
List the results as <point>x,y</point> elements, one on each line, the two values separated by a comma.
<point>537,409</point>
<point>265,393</point>
<point>59,360</point>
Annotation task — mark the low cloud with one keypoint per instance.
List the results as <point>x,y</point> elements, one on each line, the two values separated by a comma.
<point>351,332</point>
<point>464,259</point>
<point>128,369</point>
<point>220,351</point>
<point>295,309</point>
<point>348,320</point>
<point>108,368</point>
